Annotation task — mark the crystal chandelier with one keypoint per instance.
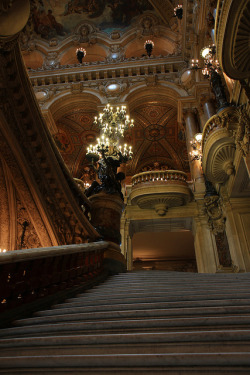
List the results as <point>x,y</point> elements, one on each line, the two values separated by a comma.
<point>112,126</point>
<point>108,151</point>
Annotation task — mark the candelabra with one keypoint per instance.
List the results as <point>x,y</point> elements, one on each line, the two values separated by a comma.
<point>149,45</point>
<point>211,70</point>
<point>196,153</point>
<point>178,11</point>
<point>80,54</point>
<point>107,151</point>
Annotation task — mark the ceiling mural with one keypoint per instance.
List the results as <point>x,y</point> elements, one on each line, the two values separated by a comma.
<point>54,18</point>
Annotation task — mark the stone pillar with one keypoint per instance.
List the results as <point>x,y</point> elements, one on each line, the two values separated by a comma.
<point>238,232</point>
<point>106,211</point>
<point>205,247</point>
<point>209,110</point>
<point>195,165</point>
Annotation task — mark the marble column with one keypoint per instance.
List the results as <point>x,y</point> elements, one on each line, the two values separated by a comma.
<point>209,110</point>
<point>192,128</point>
<point>205,246</point>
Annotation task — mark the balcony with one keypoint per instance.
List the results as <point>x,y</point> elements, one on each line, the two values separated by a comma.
<point>160,190</point>
<point>218,145</point>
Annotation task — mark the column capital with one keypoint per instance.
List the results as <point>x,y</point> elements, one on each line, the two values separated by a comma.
<point>189,111</point>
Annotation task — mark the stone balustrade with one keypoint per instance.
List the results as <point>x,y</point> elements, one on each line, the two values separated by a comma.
<point>160,190</point>
<point>159,176</point>
<point>101,70</point>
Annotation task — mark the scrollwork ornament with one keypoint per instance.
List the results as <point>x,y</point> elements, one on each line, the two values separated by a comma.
<point>213,209</point>
<point>242,133</point>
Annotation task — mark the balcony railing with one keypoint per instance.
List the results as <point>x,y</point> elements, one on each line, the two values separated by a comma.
<point>160,177</point>
<point>167,66</point>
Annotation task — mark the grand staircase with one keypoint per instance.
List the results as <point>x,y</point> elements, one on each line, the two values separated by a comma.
<point>145,322</point>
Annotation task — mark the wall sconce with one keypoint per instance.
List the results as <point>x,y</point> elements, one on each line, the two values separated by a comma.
<point>196,153</point>
<point>80,54</point>
<point>149,45</point>
<point>178,11</point>
<point>195,64</point>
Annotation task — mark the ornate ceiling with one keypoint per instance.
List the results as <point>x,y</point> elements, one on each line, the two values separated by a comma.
<point>113,33</point>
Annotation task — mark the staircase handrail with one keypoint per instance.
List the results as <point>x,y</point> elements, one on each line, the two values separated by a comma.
<point>28,275</point>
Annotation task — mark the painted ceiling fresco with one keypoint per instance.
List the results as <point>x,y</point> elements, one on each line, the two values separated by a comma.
<point>50,18</point>
<point>157,140</point>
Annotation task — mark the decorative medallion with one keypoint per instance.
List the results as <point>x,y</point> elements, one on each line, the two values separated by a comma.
<point>154,132</point>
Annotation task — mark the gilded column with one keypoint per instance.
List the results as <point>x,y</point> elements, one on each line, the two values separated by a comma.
<point>209,110</point>
<point>205,247</point>
<point>192,128</point>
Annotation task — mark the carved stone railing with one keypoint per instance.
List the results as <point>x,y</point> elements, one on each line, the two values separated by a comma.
<point>160,190</point>
<point>159,176</point>
<point>28,275</point>
<point>133,67</point>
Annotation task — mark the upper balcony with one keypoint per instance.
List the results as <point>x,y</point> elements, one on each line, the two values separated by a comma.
<point>160,190</point>
<point>220,136</point>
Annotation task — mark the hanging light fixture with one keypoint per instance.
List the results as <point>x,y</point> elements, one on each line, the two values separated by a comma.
<point>211,64</point>
<point>80,54</point>
<point>149,45</point>
<point>178,11</point>
<point>108,151</point>
<point>196,153</point>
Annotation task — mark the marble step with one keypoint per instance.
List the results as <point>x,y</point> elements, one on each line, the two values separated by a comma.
<point>130,362</point>
<point>134,313</point>
<point>87,299</point>
<point>80,308</point>
<point>169,289</point>
<point>136,343</point>
<point>171,296</point>
<point>132,325</point>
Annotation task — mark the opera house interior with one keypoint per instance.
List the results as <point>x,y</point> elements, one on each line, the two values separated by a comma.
<point>124,133</point>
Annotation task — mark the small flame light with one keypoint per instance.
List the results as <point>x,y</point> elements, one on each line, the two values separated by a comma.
<point>149,45</point>
<point>80,54</point>
<point>178,11</point>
